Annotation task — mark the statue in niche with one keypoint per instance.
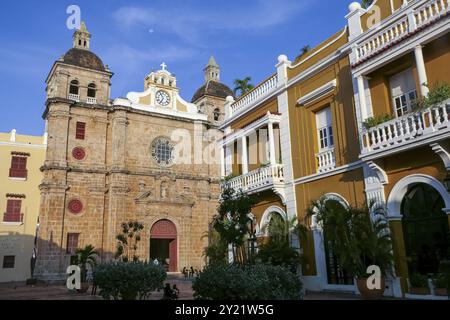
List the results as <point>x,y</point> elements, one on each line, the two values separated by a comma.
<point>143,192</point>
<point>164,190</point>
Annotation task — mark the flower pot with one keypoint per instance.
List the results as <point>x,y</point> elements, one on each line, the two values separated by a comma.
<point>370,294</point>
<point>440,292</point>
<point>419,291</point>
<point>84,287</point>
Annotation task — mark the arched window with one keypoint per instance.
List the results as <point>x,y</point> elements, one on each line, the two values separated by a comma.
<point>91,90</point>
<point>216,114</point>
<point>74,87</point>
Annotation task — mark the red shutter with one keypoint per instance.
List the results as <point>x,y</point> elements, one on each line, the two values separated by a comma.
<point>18,167</point>
<point>13,211</point>
<point>81,131</point>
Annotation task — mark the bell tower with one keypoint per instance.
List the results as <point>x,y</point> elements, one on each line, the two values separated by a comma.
<point>212,70</point>
<point>82,38</point>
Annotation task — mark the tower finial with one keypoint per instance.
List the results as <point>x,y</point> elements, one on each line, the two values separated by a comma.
<point>82,37</point>
<point>212,70</point>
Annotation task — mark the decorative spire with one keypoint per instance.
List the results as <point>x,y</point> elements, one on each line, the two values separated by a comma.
<point>212,70</point>
<point>82,38</point>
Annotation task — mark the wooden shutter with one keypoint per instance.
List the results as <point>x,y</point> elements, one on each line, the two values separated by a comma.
<point>81,131</point>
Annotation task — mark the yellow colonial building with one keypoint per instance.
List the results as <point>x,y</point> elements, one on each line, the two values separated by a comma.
<point>341,123</point>
<point>21,158</point>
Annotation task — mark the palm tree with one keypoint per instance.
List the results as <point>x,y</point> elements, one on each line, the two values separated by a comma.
<point>84,258</point>
<point>366,3</point>
<point>242,86</point>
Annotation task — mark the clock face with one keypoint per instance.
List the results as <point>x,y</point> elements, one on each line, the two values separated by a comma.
<point>162,98</point>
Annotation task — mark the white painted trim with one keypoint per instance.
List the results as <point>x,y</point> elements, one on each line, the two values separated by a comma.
<point>13,224</point>
<point>23,145</point>
<point>401,188</point>
<point>349,167</point>
<point>442,152</point>
<point>265,219</point>
<point>17,179</point>
<point>318,93</point>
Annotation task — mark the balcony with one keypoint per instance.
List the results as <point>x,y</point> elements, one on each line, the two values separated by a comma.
<point>264,178</point>
<point>255,96</point>
<point>74,97</point>
<point>413,129</point>
<point>18,174</point>
<point>400,27</point>
<point>13,218</point>
<point>326,160</point>
<point>91,100</point>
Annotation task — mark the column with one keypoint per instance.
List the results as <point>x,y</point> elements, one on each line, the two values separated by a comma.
<point>222,162</point>
<point>420,63</point>
<point>244,155</point>
<point>362,98</point>
<point>273,160</point>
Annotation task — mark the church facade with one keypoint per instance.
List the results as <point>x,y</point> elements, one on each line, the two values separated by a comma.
<point>145,158</point>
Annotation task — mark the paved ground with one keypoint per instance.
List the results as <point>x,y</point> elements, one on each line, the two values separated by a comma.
<point>20,291</point>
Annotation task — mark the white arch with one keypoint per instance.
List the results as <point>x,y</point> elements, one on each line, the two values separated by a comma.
<point>401,188</point>
<point>265,220</point>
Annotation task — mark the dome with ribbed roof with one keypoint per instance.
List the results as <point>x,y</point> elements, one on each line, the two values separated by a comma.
<point>83,58</point>
<point>212,88</point>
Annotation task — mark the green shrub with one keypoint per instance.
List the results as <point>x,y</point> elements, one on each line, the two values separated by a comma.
<point>128,281</point>
<point>252,282</point>
<point>418,280</point>
<point>375,121</point>
<point>439,92</point>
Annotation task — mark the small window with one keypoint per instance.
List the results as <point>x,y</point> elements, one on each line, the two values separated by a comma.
<point>13,211</point>
<point>18,167</point>
<point>74,87</point>
<point>91,90</point>
<point>80,131</point>
<point>325,129</point>
<point>72,242</point>
<point>216,114</point>
<point>403,91</point>
<point>9,262</point>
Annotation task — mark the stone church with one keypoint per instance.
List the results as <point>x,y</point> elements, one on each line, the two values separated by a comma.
<point>114,161</point>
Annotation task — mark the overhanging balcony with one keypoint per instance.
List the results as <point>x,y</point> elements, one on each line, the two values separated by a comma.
<point>409,131</point>
<point>265,178</point>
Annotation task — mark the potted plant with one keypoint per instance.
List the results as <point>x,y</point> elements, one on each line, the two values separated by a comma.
<point>442,281</point>
<point>418,284</point>
<point>358,241</point>
<point>85,258</point>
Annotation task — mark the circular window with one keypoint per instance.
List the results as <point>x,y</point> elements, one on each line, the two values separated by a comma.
<point>162,151</point>
<point>78,153</point>
<point>75,206</point>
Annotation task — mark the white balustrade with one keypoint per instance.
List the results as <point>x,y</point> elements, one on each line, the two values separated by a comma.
<point>326,160</point>
<point>405,25</point>
<point>258,179</point>
<point>91,100</point>
<point>409,128</point>
<point>257,94</point>
<point>74,97</point>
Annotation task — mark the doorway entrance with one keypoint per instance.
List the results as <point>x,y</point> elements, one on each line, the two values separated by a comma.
<point>164,244</point>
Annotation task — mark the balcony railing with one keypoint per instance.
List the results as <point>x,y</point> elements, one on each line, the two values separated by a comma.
<point>326,160</point>
<point>259,179</point>
<point>408,128</point>
<point>13,218</point>
<point>16,173</point>
<point>403,26</point>
<point>91,100</point>
<point>74,97</point>
<point>260,92</point>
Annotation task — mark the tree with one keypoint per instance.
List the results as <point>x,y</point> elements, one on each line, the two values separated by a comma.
<point>233,221</point>
<point>128,241</point>
<point>242,86</point>
<point>366,3</point>
<point>85,257</point>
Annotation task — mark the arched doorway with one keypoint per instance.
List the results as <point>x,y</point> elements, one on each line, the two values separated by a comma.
<point>329,269</point>
<point>425,228</point>
<point>164,244</point>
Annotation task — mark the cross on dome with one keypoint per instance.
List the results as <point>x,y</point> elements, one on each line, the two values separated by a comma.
<point>163,66</point>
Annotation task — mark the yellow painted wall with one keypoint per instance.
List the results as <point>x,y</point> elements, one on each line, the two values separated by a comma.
<point>18,240</point>
<point>303,121</point>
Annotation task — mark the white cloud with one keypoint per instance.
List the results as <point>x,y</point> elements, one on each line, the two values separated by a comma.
<point>193,24</point>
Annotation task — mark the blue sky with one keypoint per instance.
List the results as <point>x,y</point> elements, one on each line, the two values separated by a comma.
<point>134,37</point>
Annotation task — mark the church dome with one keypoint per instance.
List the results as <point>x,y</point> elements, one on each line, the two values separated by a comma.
<point>83,58</point>
<point>213,88</point>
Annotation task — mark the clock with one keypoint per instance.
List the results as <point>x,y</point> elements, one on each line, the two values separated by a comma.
<point>162,98</point>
